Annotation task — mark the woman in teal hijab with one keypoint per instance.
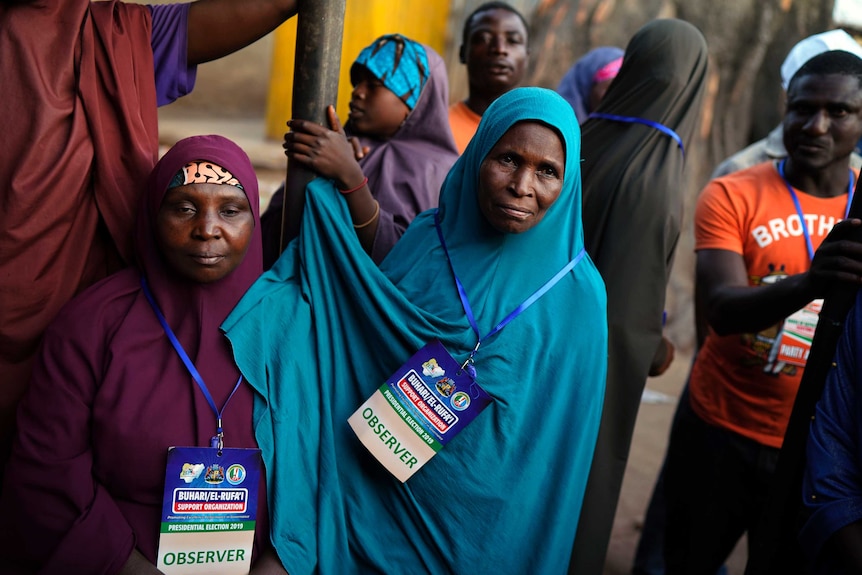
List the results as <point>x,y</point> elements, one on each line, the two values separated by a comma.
<point>320,332</point>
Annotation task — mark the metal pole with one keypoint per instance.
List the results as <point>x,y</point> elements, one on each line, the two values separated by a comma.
<point>320,27</point>
<point>778,552</point>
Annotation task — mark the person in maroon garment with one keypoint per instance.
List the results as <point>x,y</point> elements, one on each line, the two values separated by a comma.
<point>110,394</point>
<point>80,136</point>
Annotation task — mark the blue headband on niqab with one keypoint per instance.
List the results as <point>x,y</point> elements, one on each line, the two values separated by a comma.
<point>400,63</point>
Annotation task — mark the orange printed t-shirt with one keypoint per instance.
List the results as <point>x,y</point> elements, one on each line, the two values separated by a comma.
<point>736,382</point>
<point>464,123</point>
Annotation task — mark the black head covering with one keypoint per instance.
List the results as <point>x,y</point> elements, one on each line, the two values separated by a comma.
<point>633,202</point>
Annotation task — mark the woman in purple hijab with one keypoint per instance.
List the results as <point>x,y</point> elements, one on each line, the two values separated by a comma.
<point>585,84</point>
<point>110,394</point>
<point>393,154</point>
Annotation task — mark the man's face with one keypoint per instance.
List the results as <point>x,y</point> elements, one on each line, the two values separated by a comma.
<point>823,120</point>
<point>496,50</point>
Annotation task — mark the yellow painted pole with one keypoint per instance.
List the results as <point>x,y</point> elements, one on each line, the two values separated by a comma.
<point>280,99</point>
<point>422,20</point>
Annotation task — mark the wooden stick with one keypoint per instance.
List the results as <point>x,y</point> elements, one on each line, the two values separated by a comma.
<point>320,28</point>
<point>779,552</point>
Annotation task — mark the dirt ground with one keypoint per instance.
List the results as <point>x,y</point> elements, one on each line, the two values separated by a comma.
<point>654,417</point>
<point>647,451</point>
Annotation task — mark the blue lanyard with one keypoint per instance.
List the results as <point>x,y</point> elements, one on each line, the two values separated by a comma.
<point>462,293</point>
<point>796,203</point>
<point>633,120</point>
<point>218,439</point>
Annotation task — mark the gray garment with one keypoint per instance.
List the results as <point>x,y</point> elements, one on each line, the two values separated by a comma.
<point>769,148</point>
<point>634,187</point>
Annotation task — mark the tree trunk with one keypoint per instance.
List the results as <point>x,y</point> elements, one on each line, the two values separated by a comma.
<point>748,40</point>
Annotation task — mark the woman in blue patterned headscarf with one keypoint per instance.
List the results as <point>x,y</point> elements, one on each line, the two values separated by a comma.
<point>399,116</point>
<point>319,333</point>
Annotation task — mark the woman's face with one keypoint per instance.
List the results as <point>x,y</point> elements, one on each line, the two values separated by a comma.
<point>521,177</point>
<point>375,110</point>
<point>204,230</point>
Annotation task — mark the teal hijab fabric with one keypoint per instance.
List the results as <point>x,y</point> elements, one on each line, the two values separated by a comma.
<point>319,332</point>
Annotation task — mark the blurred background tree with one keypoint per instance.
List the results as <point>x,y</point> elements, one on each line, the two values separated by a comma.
<point>748,40</point>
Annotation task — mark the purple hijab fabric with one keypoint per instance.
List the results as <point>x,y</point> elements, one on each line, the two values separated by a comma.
<point>576,84</point>
<point>404,173</point>
<point>169,40</point>
<point>109,395</point>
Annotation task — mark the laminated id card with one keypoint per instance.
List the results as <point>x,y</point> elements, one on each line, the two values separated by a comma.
<point>419,409</point>
<point>209,511</point>
<point>797,334</point>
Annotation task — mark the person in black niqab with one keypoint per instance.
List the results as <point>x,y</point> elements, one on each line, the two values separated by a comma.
<point>634,148</point>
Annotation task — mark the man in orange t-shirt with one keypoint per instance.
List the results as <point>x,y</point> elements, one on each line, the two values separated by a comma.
<point>494,48</point>
<point>768,243</point>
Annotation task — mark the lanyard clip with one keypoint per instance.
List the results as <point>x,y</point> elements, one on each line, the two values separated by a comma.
<point>468,363</point>
<point>217,440</point>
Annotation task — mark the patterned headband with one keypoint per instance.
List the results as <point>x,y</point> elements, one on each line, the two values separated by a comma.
<point>204,172</point>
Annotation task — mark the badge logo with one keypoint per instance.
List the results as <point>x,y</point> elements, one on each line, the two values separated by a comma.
<point>460,401</point>
<point>432,369</point>
<point>214,474</point>
<point>235,474</point>
<point>191,471</point>
<point>445,386</point>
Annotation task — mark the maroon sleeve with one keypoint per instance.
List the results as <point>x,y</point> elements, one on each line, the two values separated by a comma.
<point>66,521</point>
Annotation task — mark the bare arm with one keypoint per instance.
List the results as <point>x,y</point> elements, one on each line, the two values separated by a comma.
<point>220,27</point>
<point>733,306</point>
<point>330,154</point>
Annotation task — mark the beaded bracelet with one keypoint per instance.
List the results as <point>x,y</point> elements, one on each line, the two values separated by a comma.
<point>359,187</point>
<point>370,221</point>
